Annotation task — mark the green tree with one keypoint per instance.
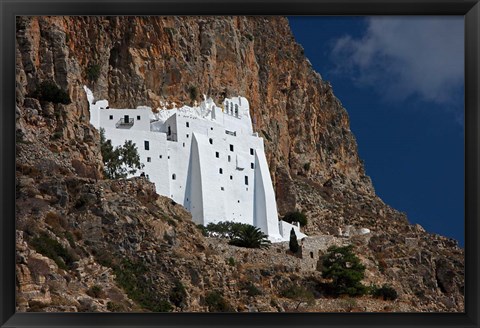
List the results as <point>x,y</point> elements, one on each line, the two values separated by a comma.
<point>93,72</point>
<point>120,161</point>
<point>293,244</point>
<point>250,237</point>
<point>299,294</point>
<point>345,270</point>
<point>295,216</point>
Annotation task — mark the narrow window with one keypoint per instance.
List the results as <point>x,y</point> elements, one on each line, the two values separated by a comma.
<point>138,117</point>
<point>111,117</point>
<point>183,144</point>
<point>231,147</point>
<point>252,165</point>
<point>311,255</point>
<point>147,145</point>
<point>246,180</point>
<point>217,154</point>
<point>149,159</point>
<point>159,156</point>
<point>251,151</point>
<point>221,188</point>
<point>220,170</point>
<point>187,124</point>
<point>211,128</point>
<point>210,141</point>
<point>188,135</point>
<point>229,158</point>
<point>174,176</point>
<point>231,177</point>
<point>168,157</point>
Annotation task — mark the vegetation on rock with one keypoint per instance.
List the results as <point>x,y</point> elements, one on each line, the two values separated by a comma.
<point>53,249</point>
<point>250,237</point>
<point>49,91</point>
<point>345,270</point>
<point>93,72</point>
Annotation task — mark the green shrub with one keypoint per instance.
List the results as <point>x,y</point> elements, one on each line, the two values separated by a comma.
<point>49,91</point>
<point>306,166</point>
<point>53,249</point>
<point>93,72</point>
<point>249,37</point>
<point>299,294</point>
<point>295,216</point>
<point>386,292</point>
<point>216,303</point>
<point>251,289</point>
<point>193,92</point>
<point>202,229</point>
<point>178,294</point>
<point>133,278</point>
<point>231,261</point>
<point>343,267</point>
<point>293,244</point>
<point>96,291</point>
<point>115,307</point>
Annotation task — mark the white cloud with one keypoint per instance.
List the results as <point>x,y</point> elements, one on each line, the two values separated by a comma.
<point>406,56</point>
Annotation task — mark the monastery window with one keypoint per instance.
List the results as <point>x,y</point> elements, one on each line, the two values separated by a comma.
<point>174,176</point>
<point>311,255</point>
<point>211,128</point>
<point>220,170</point>
<point>187,124</point>
<point>188,135</point>
<point>251,151</point>
<point>159,156</point>
<point>246,180</point>
<point>138,117</point>
<point>111,117</point>
<point>222,189</point>
<point>183,144</point>
<point>231,177</point>
<point>168,157</point>
<point>147,145</point>
<point>210,141</point>
<point>231,147</point>
<point>149,159</point>
<point>236,110</point>
<point>217,154</point>
<point>229,158</point>
<point>252,165</point>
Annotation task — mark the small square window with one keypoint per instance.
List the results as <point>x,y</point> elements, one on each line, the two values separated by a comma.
<point>221,188</point>
<point>149,159</point>
<point>217,154</point>
<point>111,117</point>
<point>147,145</point>
<point>159,156</point>
<point>231,147</point>
<point>252,165</point>
<point>211,128</point>
<point>138,117</point>
<point>220,171</point>
<point>251,151</point>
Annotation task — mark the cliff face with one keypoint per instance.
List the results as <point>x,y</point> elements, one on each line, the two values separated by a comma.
<point>311,151</point>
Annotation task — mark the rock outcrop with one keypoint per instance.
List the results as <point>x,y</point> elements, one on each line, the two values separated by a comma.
<point>120,247</point>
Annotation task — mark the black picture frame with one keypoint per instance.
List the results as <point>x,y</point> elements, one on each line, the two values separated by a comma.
<point>10,8</point>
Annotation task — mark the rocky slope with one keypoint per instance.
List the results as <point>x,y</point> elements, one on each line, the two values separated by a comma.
<point>119,234</point>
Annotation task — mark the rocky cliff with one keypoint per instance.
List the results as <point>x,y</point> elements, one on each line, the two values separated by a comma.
<point>141,248</point>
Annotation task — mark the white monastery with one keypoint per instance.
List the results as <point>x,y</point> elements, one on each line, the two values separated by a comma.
<point>205,157</point>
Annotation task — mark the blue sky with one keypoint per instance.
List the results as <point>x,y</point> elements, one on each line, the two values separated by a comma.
<point>401,81</point>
